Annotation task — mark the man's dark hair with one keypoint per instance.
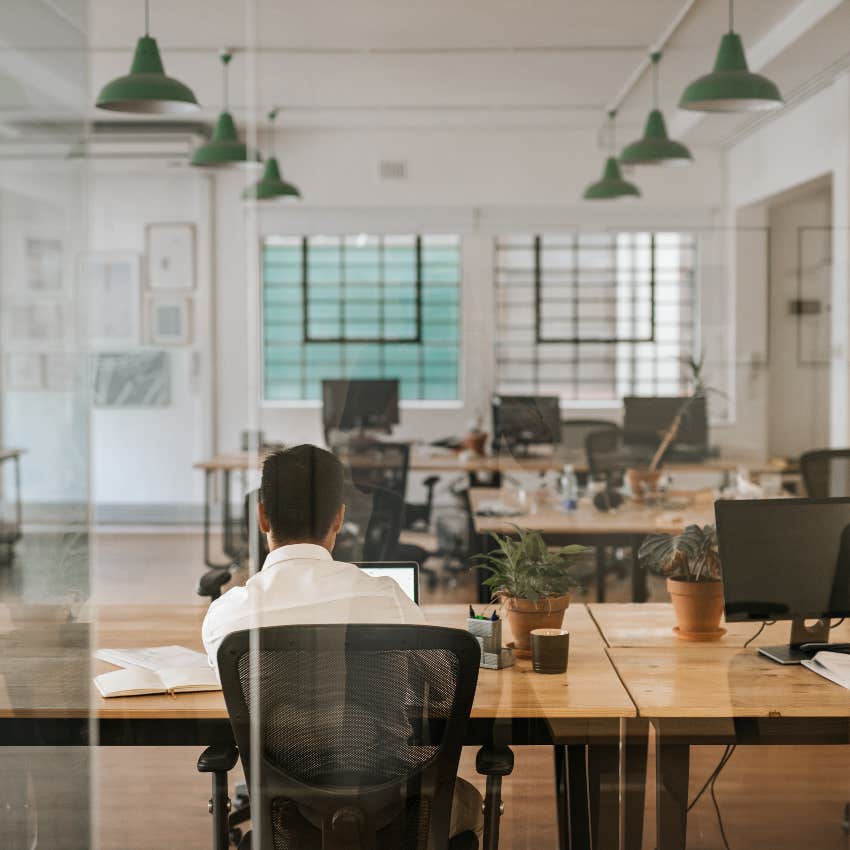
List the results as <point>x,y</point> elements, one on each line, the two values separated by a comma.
<point>301,492</point>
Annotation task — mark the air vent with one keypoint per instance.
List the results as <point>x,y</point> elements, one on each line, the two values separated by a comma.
<point>393,169</point>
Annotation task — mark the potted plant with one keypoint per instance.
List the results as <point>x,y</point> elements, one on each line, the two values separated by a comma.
<point>644,482</point>
<point>532,582</point>
<point>691,563</point>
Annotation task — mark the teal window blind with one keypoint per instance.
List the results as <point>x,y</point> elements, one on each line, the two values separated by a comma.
<point>364,306</point>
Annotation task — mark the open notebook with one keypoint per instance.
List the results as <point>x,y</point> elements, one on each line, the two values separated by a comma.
<point>156,670</point>
<point>834,666</point>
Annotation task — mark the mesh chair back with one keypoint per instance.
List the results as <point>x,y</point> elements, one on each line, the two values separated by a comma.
<point>359,730</point>
<point>826,473</point>
<point>574,432</point>
<point>377,465</point>
<point>605,457</point>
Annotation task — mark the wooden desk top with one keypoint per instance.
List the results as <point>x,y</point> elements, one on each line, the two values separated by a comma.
<point>49,676</point>
<point>650,624</point>
<point>632,518</point>
<point>702,682</point>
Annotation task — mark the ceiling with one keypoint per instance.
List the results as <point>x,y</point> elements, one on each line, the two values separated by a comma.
<point>424,63</point>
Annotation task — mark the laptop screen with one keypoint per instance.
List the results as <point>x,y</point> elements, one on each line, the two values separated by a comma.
<point>404,573</point>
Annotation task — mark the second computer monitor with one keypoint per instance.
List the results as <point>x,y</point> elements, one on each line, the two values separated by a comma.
<point>348,405</point>
<point>647,418</point>
<point>523,420</point>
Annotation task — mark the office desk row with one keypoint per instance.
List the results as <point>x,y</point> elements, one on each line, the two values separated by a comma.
<point>626,672</point>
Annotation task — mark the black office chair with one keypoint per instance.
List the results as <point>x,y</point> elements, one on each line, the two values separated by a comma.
<point>361,729</point>
<point>605,457</point>
<point>826,473</point>
<point>574,433</point>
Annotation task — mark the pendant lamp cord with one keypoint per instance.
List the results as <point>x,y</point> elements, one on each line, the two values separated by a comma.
<point>272,117</point>
<point>656,56</point>
<point>612,132</point>
<point>731,15</point>
<point>147,17</point>
<point>226,56</point>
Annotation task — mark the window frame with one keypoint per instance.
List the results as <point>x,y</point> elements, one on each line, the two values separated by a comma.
<point>306,338</point>
<point>539,339</point>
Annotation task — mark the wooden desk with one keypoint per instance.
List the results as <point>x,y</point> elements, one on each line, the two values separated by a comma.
<point>651,625</point>
<point>46,697</point>
<point>627,526</point>
<point>708,694</point>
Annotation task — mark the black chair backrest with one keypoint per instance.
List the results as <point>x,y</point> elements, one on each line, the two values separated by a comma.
<point>605,455</point>
<point>826,473</point>
<point>378,465</point>
<point>359,727</point>
<point>574,431</point>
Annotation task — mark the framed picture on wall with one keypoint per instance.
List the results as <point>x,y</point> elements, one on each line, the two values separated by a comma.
<point>170,252</point>
<point>41,323</point>
<point>132,379</point>
<point>170,320</point>
<point>109,300</point>
<point>44,264</point>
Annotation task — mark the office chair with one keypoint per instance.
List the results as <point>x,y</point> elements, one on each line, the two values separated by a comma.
<point>826,473</point>
<point>361,729</point>
<point>605,458</point>
<point>574,433</point>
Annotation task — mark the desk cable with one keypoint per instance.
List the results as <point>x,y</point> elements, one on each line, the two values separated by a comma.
<point>836,625</point>
<point>761,629</point>
<point>710,783</point>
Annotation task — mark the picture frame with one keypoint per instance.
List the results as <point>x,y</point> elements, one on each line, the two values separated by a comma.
<point>43,263</point>
<point>170,253</point>
<point>131,379</point>
<point>109,299</point>
<point>37,323</point>
<point>169,320</point>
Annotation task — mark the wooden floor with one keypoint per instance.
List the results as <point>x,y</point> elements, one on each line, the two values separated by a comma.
<point>773,798</point>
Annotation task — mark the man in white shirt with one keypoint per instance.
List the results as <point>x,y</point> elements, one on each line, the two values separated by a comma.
<point>301,512</point>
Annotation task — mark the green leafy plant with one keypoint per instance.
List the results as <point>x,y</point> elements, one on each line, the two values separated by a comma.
<point>524,567</point>
<point>689,556</point>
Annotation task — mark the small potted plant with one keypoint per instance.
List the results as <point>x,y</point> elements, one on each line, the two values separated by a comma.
<point>532,582</point>
<point>691,563</point>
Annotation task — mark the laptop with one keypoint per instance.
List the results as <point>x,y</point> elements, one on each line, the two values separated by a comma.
<point>404,573</point>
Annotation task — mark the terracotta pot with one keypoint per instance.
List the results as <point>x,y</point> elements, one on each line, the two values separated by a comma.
<point>475,441</point>
<point>524,616</point>
<point>699,608</point>
<point>643,482</point>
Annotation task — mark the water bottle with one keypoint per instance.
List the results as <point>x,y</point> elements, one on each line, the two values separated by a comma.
<point>569,489</point>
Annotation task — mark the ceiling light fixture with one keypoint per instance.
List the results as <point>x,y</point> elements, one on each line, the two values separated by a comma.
<point>271,184</point>
<point>731,86</point>
<point>146,89</point>
<point>655,147</point>
<point>224,147</point>
<point>612,185</point>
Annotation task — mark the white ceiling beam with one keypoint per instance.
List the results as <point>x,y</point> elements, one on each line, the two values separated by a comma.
<point>761,53</point>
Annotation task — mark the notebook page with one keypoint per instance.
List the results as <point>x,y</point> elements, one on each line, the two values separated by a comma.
<point>132,682</point>
<point>153,657</point>
<point>188,679</point>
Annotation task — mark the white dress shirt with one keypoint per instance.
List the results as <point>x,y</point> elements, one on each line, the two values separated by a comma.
<point>302,583</point>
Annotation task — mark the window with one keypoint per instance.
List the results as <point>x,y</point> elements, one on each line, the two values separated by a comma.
<point>361,306</point>
<point>595,316</point>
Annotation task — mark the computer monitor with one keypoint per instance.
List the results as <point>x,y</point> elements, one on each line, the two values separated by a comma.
<point>523,420</point>
<point>404,573</point>
<point>647,418</point>
<point>786,559</point>
<point>348,405</point>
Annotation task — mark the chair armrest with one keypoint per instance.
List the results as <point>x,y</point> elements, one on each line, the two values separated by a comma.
<point>218,758</point>
<point>493,761</point>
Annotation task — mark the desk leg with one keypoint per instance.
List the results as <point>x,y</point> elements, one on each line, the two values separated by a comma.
<point>600,573</point>
<point>635,791</point>
<point>671,792</point>
<point>639,590</point>
<point>561,796</point>
<point>208,487</point>
<point>603,770</point>
<point>577,802</point>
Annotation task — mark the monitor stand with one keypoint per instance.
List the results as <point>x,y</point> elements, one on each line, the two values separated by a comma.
<point>800,634</point>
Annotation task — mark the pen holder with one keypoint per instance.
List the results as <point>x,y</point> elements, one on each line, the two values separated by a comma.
<point>488,633</point>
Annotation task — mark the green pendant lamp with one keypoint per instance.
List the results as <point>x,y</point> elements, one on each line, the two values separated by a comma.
<point>224,147</point>
<point>271,184</point>
<point>655,147</point>
<point>146,89</point>
<point>731,86</point>
<point>612,185</point>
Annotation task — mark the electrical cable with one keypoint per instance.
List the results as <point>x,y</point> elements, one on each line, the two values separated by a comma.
<point>761,629</point>
<point>710,786</point>
<point>836,625</point>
